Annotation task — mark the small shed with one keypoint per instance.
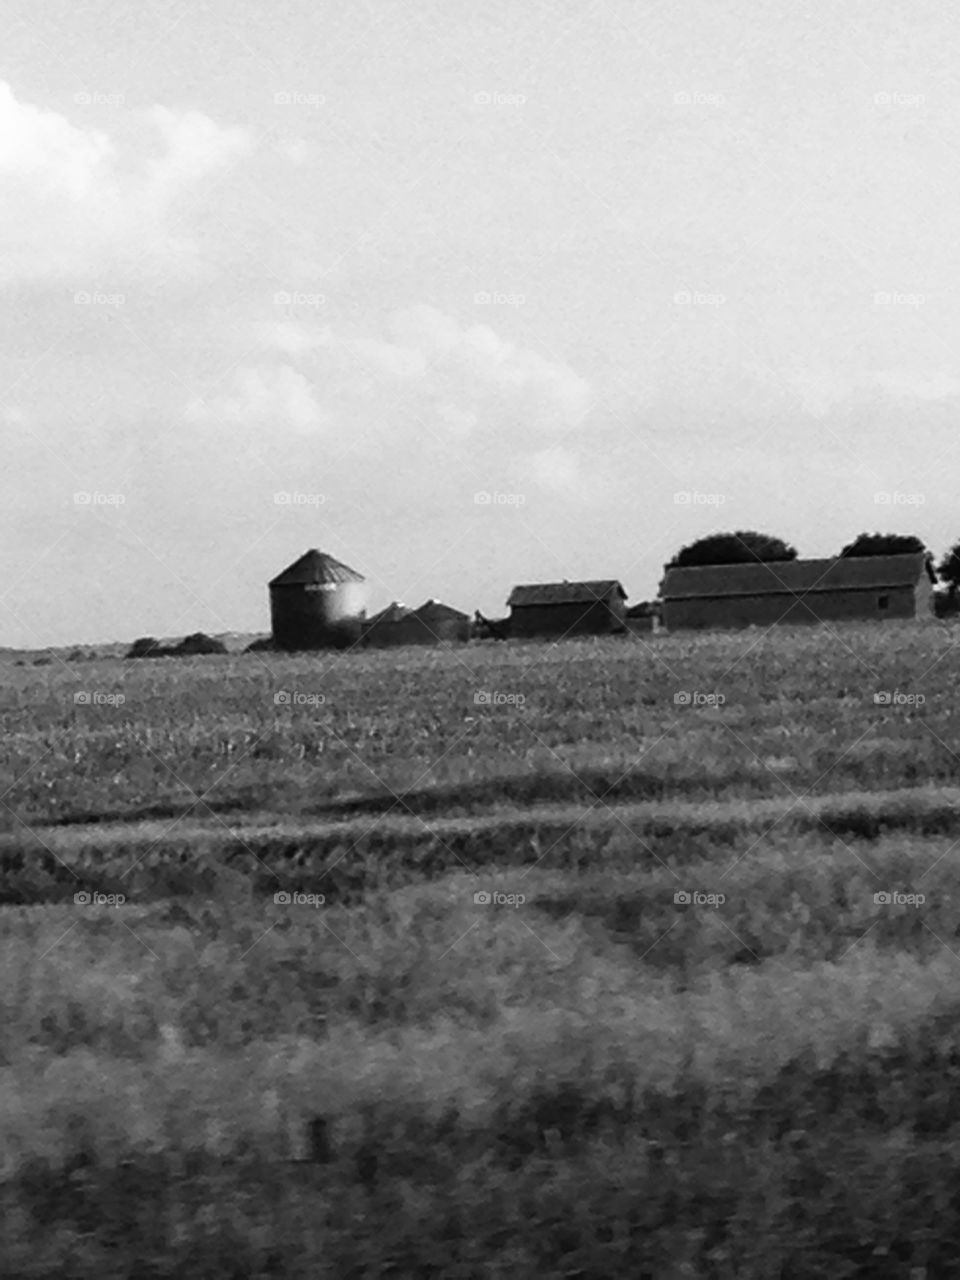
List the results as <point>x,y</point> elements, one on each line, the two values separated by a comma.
<point>383,629</point>
<point>317,603</point>
<point>567,608</point>
<point>432,623</point>
<point>643,617</point>
<point>763,593</point>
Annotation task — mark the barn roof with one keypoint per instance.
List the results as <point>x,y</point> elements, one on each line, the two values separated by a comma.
<point>436,611</point>
<point>539,593</point>
<point>778,577</point>
<point>394,612</point>
<point>645,609</point>
<point>316,566</point>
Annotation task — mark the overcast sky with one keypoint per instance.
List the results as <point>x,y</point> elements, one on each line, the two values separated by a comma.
<point>384,257</point>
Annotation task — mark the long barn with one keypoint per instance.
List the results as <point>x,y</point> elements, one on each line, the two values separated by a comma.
<point>848,588</point>
<point>567,608</point>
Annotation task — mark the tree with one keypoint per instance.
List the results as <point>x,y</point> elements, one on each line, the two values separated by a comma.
<point>949,569</point>
<point>741,547</point>
<point>883,544</point>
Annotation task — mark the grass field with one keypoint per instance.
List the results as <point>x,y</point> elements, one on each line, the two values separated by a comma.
<point>688,1039</point>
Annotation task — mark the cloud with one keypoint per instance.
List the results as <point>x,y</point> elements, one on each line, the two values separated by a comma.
<point>263,397</point>
<point>470,371</point>
<point>74,205</point>
<point>557,470</point>
<point>916,386</point>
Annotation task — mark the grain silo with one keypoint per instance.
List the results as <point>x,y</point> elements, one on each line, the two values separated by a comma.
<point>317,603</point>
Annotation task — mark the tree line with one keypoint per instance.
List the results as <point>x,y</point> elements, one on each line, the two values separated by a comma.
<point>747,545</point>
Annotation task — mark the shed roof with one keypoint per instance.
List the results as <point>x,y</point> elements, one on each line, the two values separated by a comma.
<point>316,566</point>
<point>794,577</point>
<point>436,611</point>
<point>539,593</point>
<point>394,612</point>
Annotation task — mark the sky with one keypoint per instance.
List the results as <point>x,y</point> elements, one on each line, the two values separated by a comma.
<point>464,294</point>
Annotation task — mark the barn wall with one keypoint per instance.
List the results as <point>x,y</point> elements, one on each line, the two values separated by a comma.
<point>418,631</point>
<point>816,606</point>
<point>596,618</point>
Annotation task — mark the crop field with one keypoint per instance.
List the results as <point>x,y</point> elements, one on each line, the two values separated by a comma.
<point>637,956</point>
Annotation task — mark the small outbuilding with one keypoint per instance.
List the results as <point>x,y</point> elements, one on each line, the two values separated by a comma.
<point>317,603</point>
<point>763,593</point>
<point>383,630</point>
<point>432,623</point>
<point>567,608</point>
<point>643,617</point>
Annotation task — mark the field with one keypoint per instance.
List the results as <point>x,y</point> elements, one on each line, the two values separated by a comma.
<point>678,1034</point>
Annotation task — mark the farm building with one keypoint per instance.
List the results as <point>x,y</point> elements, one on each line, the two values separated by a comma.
<point>383,628</point>
<point>798,591</point>
<point>567,608</point>
<point>432,623</point>
<point>643,617</point>
<point>317,603</point>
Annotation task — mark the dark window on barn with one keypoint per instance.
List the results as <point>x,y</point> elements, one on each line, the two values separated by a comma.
<point>883,602</point>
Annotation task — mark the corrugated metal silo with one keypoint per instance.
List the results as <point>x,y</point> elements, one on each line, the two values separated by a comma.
<point>317,603</point>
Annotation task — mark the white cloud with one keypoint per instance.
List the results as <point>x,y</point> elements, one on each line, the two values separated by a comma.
<point>917,386</point>
<point>263,397</point>
<point>74,205</point>
<point>472,370</point>
<point>557,470</point>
